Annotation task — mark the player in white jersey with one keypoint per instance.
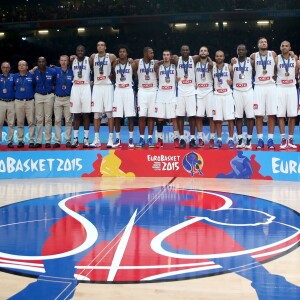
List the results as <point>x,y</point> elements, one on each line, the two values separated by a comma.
<point>265,96</point>
<point>204,82</point>
<point>287,70</point>
<point>124,104</point>
<point>243,95</point>
<point>103,90</point>
<point>166,98</point>
<point>223,101</point>
<point>186,99</point>
<point>80,99</point>
<point>145,70</point>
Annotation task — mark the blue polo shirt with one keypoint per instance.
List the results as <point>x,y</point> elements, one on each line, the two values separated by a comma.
<point>63,79</point>
<point>24,86</point>
<point>7,86</point>
<point>45,81</point>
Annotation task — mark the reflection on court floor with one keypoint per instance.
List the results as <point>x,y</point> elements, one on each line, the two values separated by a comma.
<point>139,230</point>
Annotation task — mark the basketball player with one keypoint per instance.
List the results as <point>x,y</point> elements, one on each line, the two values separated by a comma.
<point>7,102</point>
<point>63,87</point>
<point>24,83</point>
<point>145,70</point>
<point>103,91</point>
<point>243,95</point>
<point>287,70</point>
<point>223,101</point>
<point>44,100</point>
<point>80,100</point>
<point>186,99</point>
<point>265,95</point>
<point>204,91</point>
<point>124,104</point>
<point>166,98</point>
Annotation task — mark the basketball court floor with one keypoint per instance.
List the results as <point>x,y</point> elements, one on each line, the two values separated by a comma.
<point>149,238</point>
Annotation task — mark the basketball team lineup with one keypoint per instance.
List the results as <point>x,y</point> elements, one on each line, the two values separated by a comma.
<point>255,86</point>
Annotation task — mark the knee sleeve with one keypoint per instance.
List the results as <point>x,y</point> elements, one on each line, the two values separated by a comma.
<point>109,114</point>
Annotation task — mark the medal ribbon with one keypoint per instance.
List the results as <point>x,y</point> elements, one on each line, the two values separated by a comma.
<point>263,62</point>
<point>80,67</point>
<point>286,65</point>
<point>185,67</point>
<point>101,63</point>
<point>120,69</point>
<point>242,68</point>
<point>167,71</point>
<point>63,77</point>
<point>203,68</point>
<point>43,78</point>
<point>219,74</point>
<point>22,80</point>
<point>147,70</point>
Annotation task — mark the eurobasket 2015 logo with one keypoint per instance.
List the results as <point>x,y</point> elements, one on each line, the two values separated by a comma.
<point>145,235</point>
<point>193,163</point>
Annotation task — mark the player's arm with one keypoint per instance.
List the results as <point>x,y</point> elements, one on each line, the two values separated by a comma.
<point>210,63</point>
<point>229,81</point>
<point>72,57</point>
<point>113,59</point>
<point>275,67</point>
<point>156,66</point>
<point>134,66</point>
<point>196,58</point>
<point>252,61</point>
<point>174,59</point>
<point>297,70</point>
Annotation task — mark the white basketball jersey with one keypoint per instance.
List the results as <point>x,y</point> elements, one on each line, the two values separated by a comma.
<point>126,70</point>
<point>166,90</point>
<point>204,79</point>
<point>286,78</point>
<point>186,86</point>
<point>260,77</point>
<point>242,81</point>
<point>149,84</point>
<point>84,66</point>
<point>221,85</point>
<point>102,77</point>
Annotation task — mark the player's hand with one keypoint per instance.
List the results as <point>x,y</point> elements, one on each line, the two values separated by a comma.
<point>233,60</point>
<point>292,54</point>
<point>229,82</point>
<point>130,60</point>
<point>178,79</point>
<point>91,83</point>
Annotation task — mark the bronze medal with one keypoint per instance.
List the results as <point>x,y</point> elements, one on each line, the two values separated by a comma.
<point>22,89</point>
<point>287,74</point>
<point>167,79</point>
<point>186,76</point>
<point>265,71</point>
<point>79,74</point>
<point>4,91</point>
<point>64,87</point>
<point>242,76</point>
<point>147,77</point>
<point>123,78</point>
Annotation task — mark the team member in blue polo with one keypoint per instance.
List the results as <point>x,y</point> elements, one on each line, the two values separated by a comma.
<point>24,103</point>
<point>7,102</point>
<point>44,100</point>
<point>64,79</point>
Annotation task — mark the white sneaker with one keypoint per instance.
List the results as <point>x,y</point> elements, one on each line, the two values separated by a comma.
<point>248,145</point>
<point>283,144</point>
<point>95,144</point>
<point>86,143</point>
<point>291,143</point>
<point>130,143</point>
<point>117,144</point>
<point>110,143</point>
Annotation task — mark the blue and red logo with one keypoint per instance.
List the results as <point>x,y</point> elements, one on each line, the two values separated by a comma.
<point>142,235</point>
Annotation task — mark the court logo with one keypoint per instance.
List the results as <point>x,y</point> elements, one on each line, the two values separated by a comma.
<point>193,163</point>
<point>146,234</point>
